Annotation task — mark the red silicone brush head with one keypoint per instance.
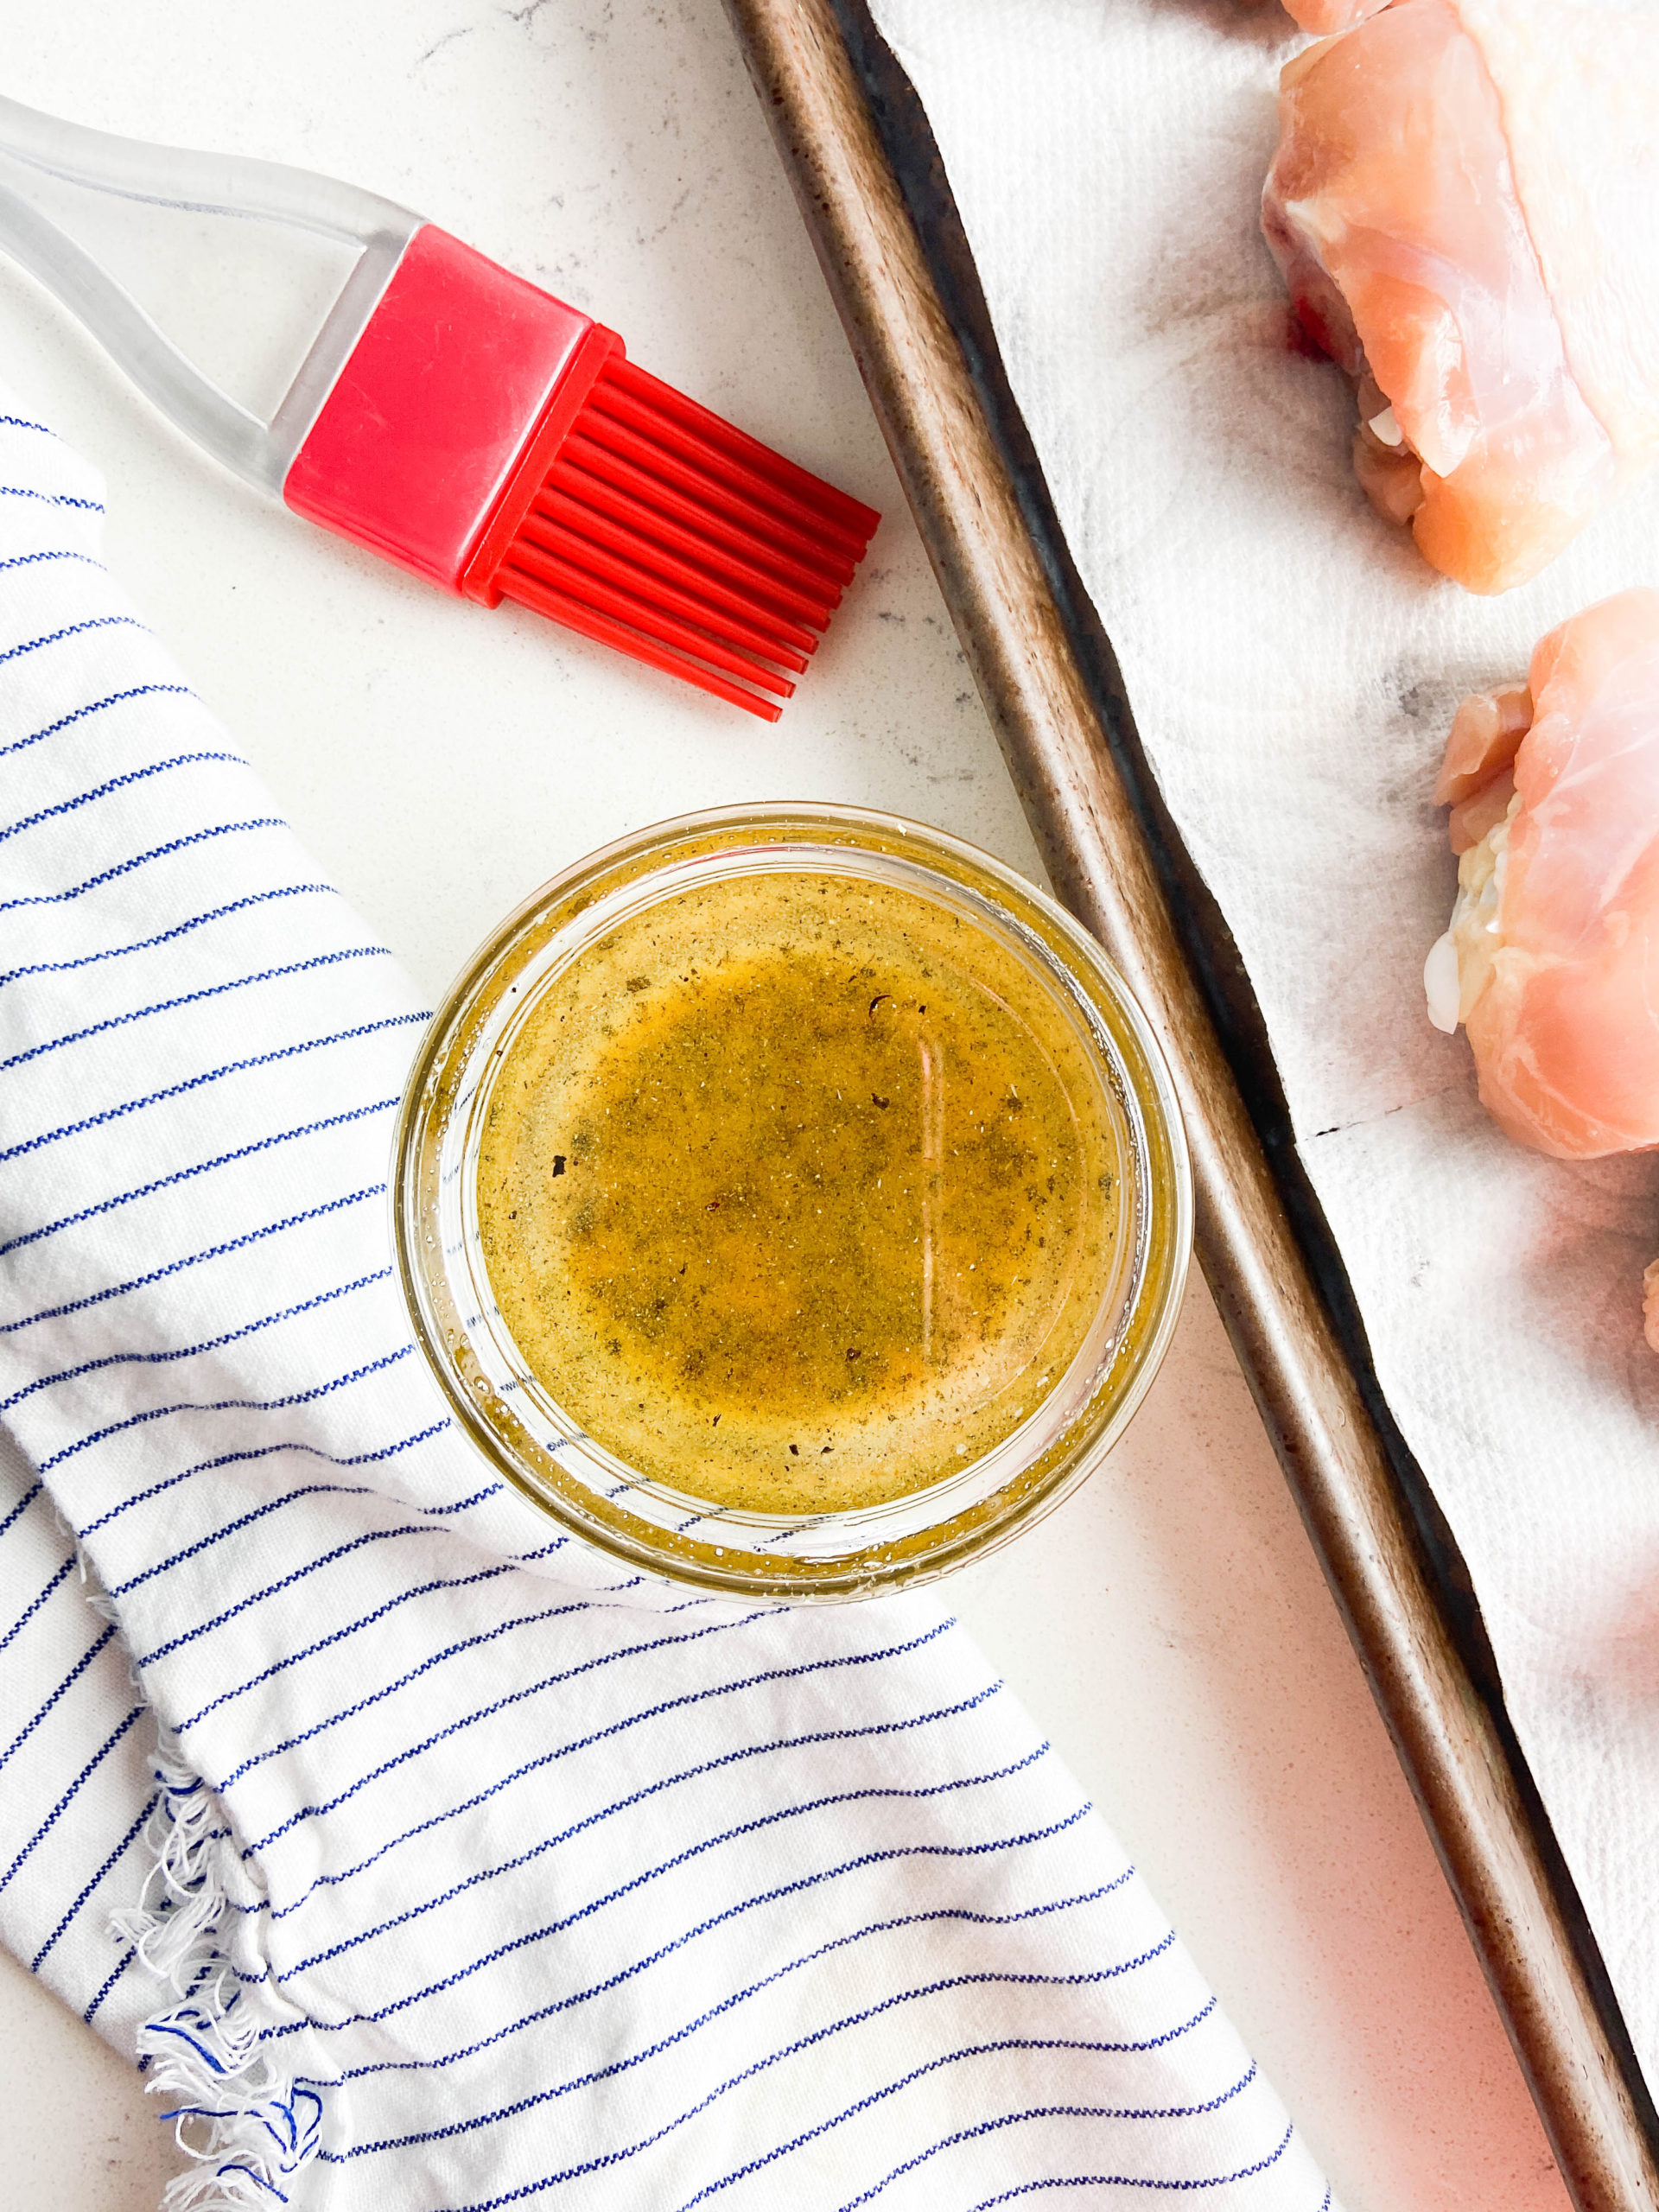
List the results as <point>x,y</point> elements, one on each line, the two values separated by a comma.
<point>652,525</point>
<point>498,442</point>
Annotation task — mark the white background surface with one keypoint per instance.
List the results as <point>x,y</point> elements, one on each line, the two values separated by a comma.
<point>1169,1625</point>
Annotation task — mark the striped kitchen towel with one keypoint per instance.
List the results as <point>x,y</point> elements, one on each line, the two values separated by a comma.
<point>423,1857</point>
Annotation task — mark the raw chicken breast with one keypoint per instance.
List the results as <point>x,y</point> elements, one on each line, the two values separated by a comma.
<point>1327,16</point>
<point>1555,934</point>
<point>1552,958</point>
<point>1465,203</point>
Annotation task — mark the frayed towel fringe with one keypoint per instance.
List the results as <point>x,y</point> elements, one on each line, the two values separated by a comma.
<point>97,1597</point>
<point>248,2129</point>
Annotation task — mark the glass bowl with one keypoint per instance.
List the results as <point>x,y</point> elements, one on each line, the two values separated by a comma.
<point>670,1520</point>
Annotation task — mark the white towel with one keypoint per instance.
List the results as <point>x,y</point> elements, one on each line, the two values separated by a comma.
<point>449,1865</point>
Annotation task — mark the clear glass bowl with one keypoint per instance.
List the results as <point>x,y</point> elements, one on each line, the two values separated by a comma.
<point>668,1529</point>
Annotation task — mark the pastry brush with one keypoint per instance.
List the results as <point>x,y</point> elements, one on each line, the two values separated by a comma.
<point>466,424</point>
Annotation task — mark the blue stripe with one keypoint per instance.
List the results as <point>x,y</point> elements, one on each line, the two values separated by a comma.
<point>493,1490</point>
<point>223,1405</point>
<point>165,936</point>
<point>125,1843</point>
<point>141,860</point>
<point>115,784</point>
<point>797,1810</point>
<point>51,498</point>
<point>68,1798</point>
<point>187,1351</point>
<point>234,1528</point>
<point>194,998</point>
<point>994,2127</point>
<point>616,1727</point>
<point>803,1882</point>
<point>936,1915</point>
<point>390,1689</point>
<point>744,1752</point>
<point>75,630</point>
<point>609,2158</point>
<point>1141,2180</point>
<point>35,1603</point>
<point>196,1259</point>
<point>68,1682</point>
<point>25,423</point>
<point>209,1075</point>
<point>92,706</point>
<point>64,553</point>
<point>338,1635</point>
<point>115,1975</point>
<point>265,1452</point>
<point>791,2050</point>
<point>22,1505</point>
<point>257,1597</point>
<point>190,1174</point>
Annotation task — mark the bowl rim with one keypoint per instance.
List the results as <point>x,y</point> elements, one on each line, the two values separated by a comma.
<point>872,1566</point>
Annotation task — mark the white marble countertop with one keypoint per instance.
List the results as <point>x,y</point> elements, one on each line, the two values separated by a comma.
<point>1169,1624</point>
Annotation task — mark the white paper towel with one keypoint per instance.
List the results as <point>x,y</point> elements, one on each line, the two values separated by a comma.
<point>1294,666</point>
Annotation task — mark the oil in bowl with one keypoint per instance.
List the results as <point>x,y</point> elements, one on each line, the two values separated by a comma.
<point>805,1160</point>
<point>791,1202</point>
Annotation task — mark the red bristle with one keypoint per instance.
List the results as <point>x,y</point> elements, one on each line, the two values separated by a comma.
<point>845,513</point>
<point>554,511</point>
<point>810,600</point>
<point>799,516</point>
<point>600,511</point>
<point>541,537</point>
<point>648,616</point>
<point>718,531</point>
<point>642,520</point>
<point>718,497</point>
<point>559,607</point>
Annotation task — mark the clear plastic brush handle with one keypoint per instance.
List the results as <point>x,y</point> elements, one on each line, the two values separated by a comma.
<point>38,152</point>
